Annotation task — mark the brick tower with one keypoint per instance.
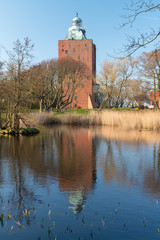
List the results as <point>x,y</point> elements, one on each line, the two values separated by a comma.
<point>82,50</point>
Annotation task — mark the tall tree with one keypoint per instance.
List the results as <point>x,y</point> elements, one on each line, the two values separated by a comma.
<point>113,82</point>
<point>149,66</point>
<point>19,60</point>
<point>1,98</point>
<point>42,80</point>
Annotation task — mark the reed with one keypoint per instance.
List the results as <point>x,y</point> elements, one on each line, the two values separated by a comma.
<point>130,120</point>
<point>44,118</point>
<point>140,120</point>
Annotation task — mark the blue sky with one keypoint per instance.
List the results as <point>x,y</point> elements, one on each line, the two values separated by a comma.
<point>47,21</point>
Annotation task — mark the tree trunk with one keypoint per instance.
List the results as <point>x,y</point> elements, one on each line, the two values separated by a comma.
<point>16,124</point>
<point>154,91</point>
<point>41,105</point>
<point>0,121</point>
<point>158,77</point>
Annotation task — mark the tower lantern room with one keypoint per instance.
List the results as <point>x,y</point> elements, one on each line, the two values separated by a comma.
<point>76,32</point>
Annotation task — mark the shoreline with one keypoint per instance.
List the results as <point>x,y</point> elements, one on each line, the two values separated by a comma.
<point>143,120</point>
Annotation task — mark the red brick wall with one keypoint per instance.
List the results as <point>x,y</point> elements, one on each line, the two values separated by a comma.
<point>83,51</point>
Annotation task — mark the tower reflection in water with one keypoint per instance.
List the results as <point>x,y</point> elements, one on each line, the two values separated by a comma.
<point>77,166</point>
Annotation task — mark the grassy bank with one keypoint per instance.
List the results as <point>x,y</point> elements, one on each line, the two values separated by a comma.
<point>139,120</point>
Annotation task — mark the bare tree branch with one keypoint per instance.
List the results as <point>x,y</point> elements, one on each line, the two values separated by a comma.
<point>136,9</point>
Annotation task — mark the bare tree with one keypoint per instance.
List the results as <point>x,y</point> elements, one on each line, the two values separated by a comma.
<point>43,82</point>
<point>54,83</point>
<point>136,9</point>
<point>113,82</point>
<point>149,67</point>
<point>19,60</point>
<point>70,79</point>
<point>137,92</point>
<point>1,98</point>
<point>125,68</point>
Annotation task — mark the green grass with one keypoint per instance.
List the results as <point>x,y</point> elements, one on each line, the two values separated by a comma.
<point>73,112</point>
<point>3,116</point>
<point>59,114</point>
<point>121,109</point>
<point>80,111</point>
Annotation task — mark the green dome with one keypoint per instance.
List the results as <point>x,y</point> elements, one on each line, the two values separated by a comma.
<point>76,32</point>
<point>77,21</point>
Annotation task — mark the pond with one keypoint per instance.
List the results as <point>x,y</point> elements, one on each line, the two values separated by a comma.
<point>80,183</point>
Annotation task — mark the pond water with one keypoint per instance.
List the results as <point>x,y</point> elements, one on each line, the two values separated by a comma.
<point>80,183</point>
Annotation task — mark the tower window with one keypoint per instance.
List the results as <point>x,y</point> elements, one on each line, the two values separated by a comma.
<point>62,46</point>
<point>62,50</point>
<point>73,49</point>
<point>75,98</point>
<point>66,52</point>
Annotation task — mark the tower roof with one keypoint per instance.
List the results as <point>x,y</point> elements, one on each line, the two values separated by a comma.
<point>76,32</point>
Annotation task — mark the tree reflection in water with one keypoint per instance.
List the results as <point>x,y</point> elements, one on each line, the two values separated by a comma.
<point>124,158</point>
<point>152,173</point>
<point>37,172</point>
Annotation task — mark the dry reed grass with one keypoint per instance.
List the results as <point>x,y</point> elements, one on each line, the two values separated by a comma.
<point>69,119</point>
<point>130,120</point>
<point>44,118</point>
<point>140,120</point>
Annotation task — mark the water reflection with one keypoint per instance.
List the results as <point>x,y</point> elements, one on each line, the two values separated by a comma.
<point>77,165</point>
<point>131,157</point>
<point>62,154</point>
<point>69,156</point>
<point>152,173</point>
<point>70,167</point>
